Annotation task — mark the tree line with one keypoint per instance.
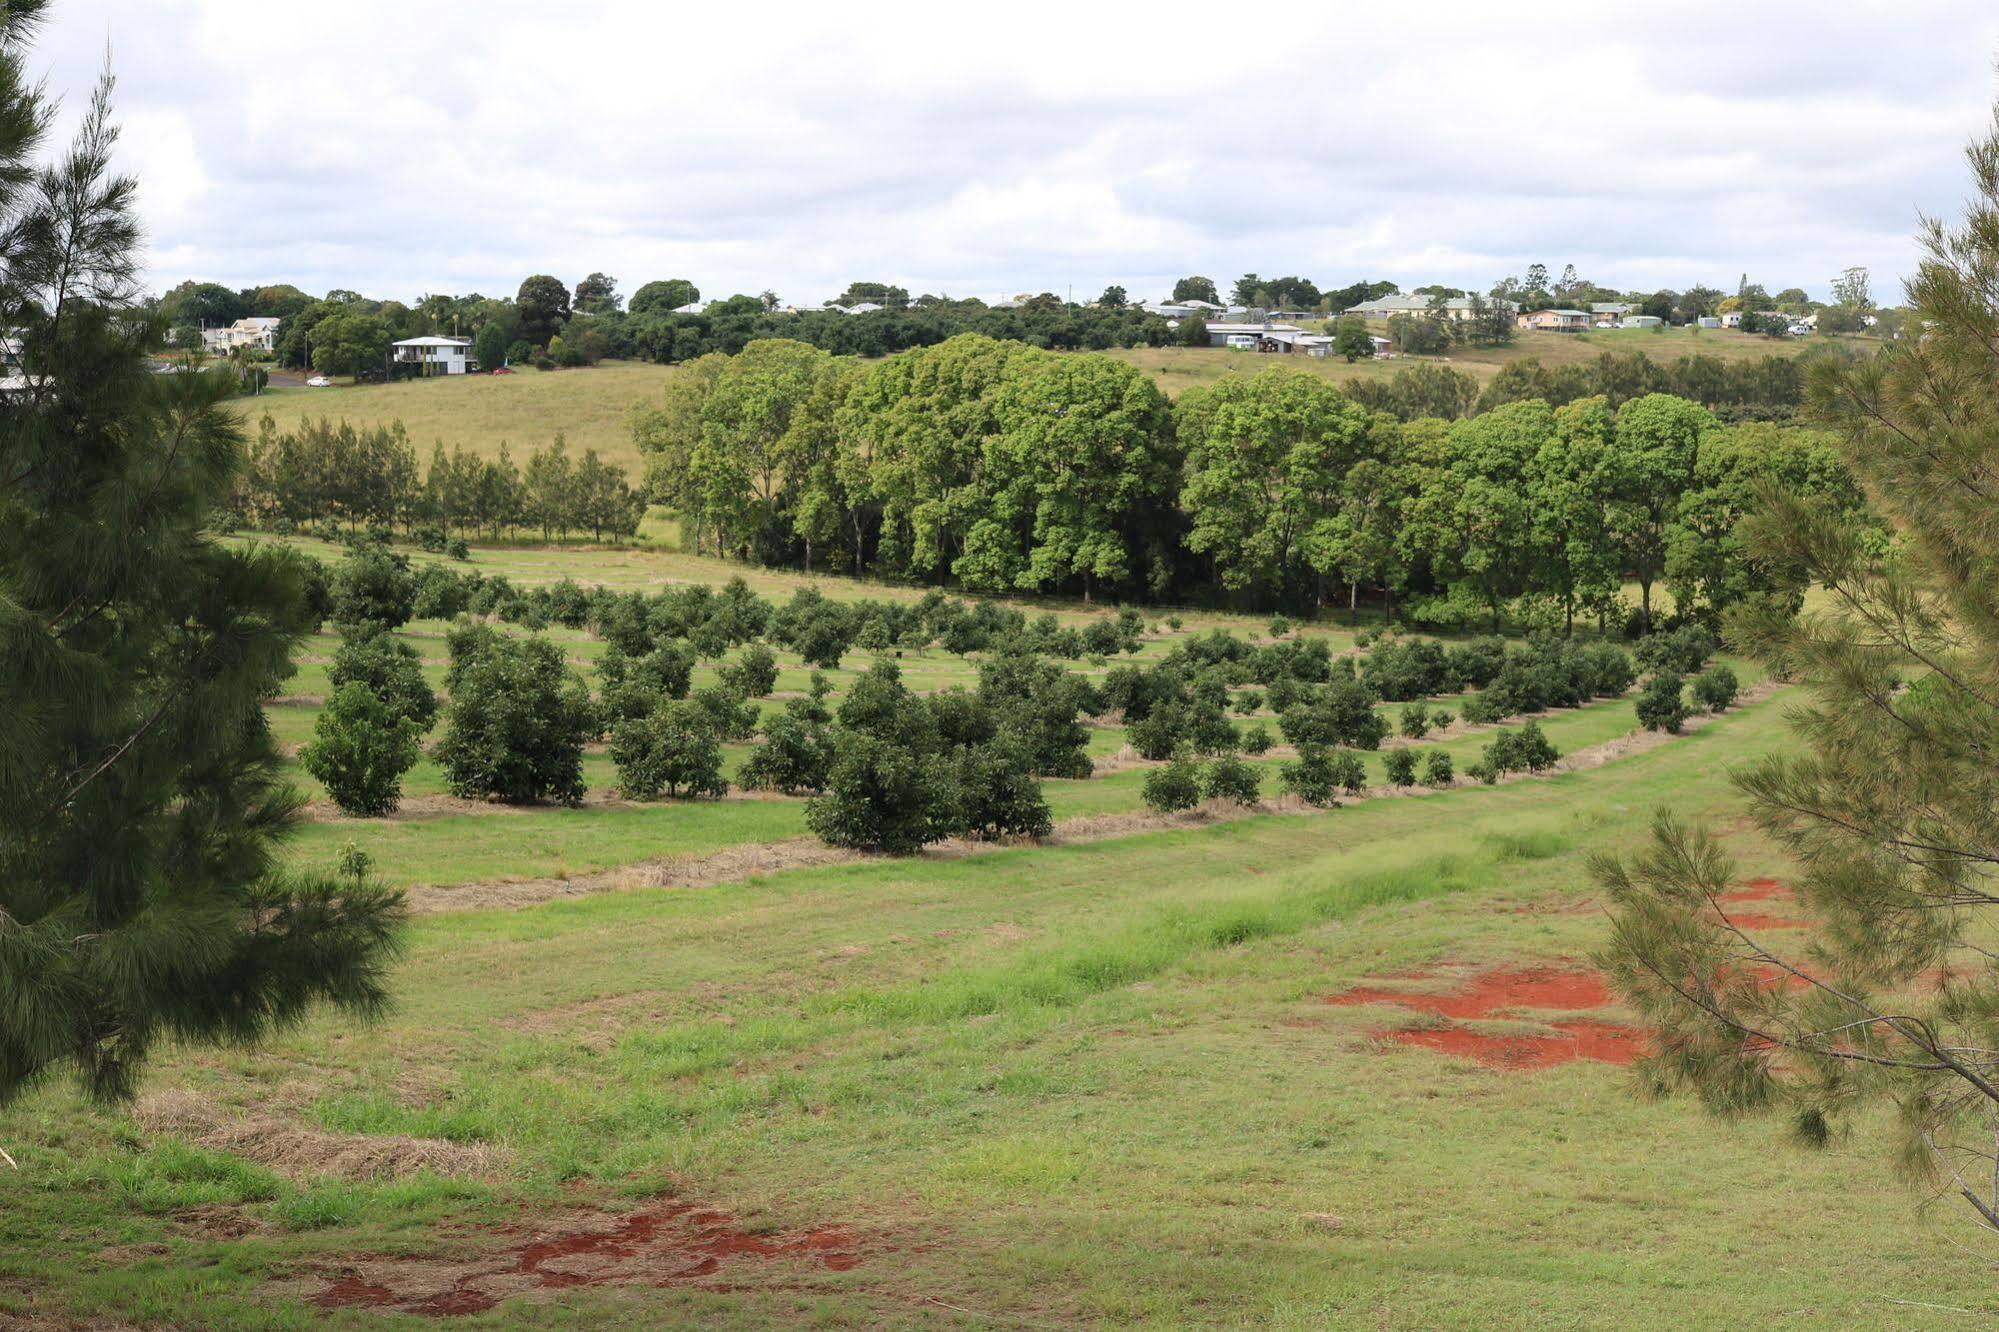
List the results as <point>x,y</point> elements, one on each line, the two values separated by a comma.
<point>999,468</point>
<point>344,477</point>
<point>1766,388</point>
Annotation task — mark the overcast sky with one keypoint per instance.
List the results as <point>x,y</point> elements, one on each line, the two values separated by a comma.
<point>399,148</point>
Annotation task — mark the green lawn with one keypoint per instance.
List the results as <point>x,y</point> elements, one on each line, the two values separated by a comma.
<point>1058,1087</point>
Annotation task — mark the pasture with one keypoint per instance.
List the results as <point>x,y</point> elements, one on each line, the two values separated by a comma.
<point>674,1064</point>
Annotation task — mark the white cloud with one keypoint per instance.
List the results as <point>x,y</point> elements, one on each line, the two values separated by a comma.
<point>1035,145</point>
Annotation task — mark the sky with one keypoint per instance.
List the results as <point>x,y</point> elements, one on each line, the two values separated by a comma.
<point>397,149</point>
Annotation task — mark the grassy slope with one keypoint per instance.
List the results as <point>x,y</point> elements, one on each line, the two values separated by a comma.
<point>590,407</point>
<point>1055,1087</point>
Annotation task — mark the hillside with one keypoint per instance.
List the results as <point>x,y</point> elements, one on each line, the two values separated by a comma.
<point>592,407</point>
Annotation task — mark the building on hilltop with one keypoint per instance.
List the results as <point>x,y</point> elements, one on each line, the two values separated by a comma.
<point>258,333</point>
<point>435,355</point>
<point>1557,321</point>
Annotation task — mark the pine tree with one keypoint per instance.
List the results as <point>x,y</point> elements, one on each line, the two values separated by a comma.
<point>141,795</point>
<point>1890,802</point>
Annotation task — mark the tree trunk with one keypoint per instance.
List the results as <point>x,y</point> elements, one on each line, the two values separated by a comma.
<point>1645,602</point>
<point>808,557</point>
<point>1353,603</point>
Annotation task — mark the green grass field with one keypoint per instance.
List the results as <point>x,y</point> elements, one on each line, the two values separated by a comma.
<point>591,407</point>
<point>1089,1083</point>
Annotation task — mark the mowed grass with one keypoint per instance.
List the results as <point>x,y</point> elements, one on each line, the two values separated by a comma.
<point>591,407</point>
<point>1066,1087</point>
<point>1178,368</point>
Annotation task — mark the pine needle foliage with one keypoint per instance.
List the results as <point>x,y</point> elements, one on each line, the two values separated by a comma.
<point>141,795</point>
<point>1889,803</point>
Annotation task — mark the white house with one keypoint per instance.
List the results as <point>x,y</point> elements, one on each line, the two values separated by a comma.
<point>435,355</point>
<point>258,333</point>
<point>1611,312</point>
<point>1387,307</point>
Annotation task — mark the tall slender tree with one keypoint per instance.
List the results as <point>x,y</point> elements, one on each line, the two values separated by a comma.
<point>1890,802</point>
<point>141,794</point>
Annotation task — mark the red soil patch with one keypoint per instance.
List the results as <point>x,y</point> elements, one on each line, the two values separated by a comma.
<point>1578,1038</point>
<point>1492,992</point>
<point>1500,991</point>
<point>1757,920</point>
<point>1758,890</point>
<point>658,1246</point>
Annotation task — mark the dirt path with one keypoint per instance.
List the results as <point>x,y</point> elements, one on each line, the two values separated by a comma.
<point>741,862</point>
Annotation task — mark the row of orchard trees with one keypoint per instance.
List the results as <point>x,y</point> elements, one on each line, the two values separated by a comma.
<point>340,476</point>
<point>999,467</point>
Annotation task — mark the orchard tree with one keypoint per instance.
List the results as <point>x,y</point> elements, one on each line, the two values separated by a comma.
<point>543,305</point>
<point>142,797</point>
<point>1114,298</point>
<point>1885,802</point>
<point>360,748</point>
<point>518,718</point>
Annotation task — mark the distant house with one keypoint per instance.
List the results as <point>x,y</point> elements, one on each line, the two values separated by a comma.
<point>1235,333</point>
<point>1642,321</point>
<point>1708,321</point>
<point>1732,319</point>
<point>1613,313</point>
<point>258,333</point>
<point>1556,321</point>
<point>1387,307</point>
<point>435,356</point>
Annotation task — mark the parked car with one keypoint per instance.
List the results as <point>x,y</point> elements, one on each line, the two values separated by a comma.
<point>1801,330</point>
<point>503,370</point>
<point>319,381</point>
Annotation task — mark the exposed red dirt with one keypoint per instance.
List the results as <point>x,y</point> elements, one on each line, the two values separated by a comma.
<point>661,1245</point>
<point>1490,992</point>
<point>1501,991</point>
<point>1759,890</point>
<point>1576,1038</point>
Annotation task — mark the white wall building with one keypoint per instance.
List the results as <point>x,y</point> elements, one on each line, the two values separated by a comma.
<point>436,356</point>
<point>258,333</point>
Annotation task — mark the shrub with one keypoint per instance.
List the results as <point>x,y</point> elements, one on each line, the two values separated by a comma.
<point>1715,688</point>
<point>1415,721</point>
<point>1173,622</point>
<point>1320,773</point>
<point>1478,662</point>
<point>360,749</point>
<point>636,686</point>
<point>1229,778</point>
<point>388,668</point>
<point>1441,718</point>
<point>1279,626</point>
<point>430,537</point>
<point>883,796</point>
<point>1524,750</point>
<point>1660,707</point>
<point>796,754</point>
<point>998,793</point>
<point>1249,701</point>
<point>457,549</point>
<point>1400,765</point>
<point>671,750</point>
<point>1403,670</point>
<point>754,673</point>
<point>1341,713</point>
<point>373,586</point>
<point>1175,786</point>
<point>1483,708</point>
<point>733,716</point>
<point>1101,636</point>
<point>1256,740</point>
<point>517,722</point>
<point>1680,651</point>
<point>874,636</point>
<point>1437,770</point>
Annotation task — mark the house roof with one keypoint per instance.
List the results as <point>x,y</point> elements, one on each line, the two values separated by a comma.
<point>433,342</point>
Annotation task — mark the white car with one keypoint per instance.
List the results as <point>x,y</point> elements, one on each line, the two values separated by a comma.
<point>1801,330</point>
<point>319,381</point>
